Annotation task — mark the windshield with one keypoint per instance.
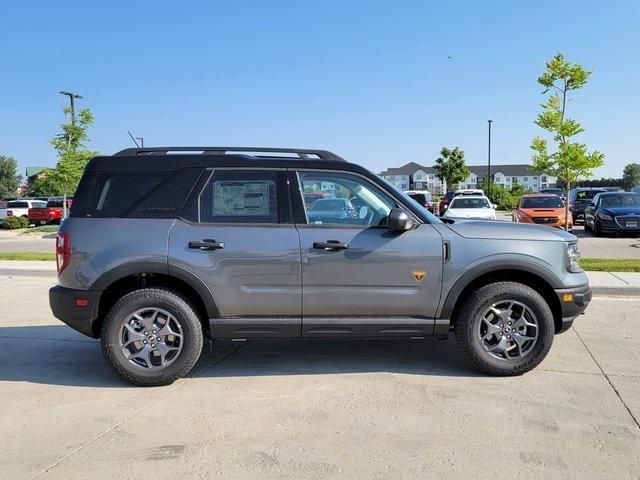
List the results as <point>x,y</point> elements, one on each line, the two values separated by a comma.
<point>542,202</point>
<point>587,194</point>
<point>469,202</point>
<point>629,200</point>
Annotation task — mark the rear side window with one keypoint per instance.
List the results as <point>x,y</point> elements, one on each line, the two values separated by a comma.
<point>18,205</point>
<point>240,196</point>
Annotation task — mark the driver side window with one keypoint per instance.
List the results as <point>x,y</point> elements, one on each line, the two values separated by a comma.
<point>338,198</point>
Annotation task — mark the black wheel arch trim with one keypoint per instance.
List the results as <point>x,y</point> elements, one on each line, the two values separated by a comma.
<point>472,274</point>
<point>134,268</point>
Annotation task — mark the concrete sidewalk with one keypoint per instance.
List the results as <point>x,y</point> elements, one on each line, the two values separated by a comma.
<point>602,283</point>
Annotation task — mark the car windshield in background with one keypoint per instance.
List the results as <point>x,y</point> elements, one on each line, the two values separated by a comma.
<point>588,194</point>
<point>626,200</point>
<point>554,191</point>
<point>419,197</point>
<point>542,202</point>
<point>322,204</point>
<point>467,202</point>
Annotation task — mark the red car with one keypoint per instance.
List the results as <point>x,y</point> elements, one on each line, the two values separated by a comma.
<point>52,213</point>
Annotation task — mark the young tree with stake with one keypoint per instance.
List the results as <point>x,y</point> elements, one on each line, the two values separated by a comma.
<point>571,160</point>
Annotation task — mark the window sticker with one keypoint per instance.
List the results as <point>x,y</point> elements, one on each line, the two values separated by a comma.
<point>241,197</point>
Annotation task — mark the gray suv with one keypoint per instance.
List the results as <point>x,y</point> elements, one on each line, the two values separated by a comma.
<point>167,246</point>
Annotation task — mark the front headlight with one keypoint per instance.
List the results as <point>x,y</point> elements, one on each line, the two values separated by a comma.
<point>573,258</point>
<point>604,216</point>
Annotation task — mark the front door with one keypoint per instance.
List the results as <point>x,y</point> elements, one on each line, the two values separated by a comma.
<point>240,240</point>
<point>359,277</point>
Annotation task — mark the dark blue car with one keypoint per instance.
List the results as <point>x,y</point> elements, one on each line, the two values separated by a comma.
<point>613,212</point>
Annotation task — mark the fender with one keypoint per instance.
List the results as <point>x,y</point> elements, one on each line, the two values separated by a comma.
<point>133,268</point>
<point>473,273</point>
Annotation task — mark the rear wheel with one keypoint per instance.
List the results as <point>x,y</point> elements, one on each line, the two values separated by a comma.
<point>151,337</point>
<point>505,328</point>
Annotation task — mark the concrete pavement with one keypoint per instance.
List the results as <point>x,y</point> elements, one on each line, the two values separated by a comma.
<point>14,241</point>
<point>318,409</point>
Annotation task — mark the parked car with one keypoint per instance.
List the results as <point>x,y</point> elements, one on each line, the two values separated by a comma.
<point>51,212</point>
<point>331,210</point>
<point>444,202</point>
<point>475,207</point>
<point>614,189</point>
<point>635,189</point>
<point>423,197</point>
<point>579,198</point>
<point>20,208</point>
<point>468,191</point>
<point>543,209</point>
<point>554,191</point>
<point>160,252</point>
<point>613,212</point>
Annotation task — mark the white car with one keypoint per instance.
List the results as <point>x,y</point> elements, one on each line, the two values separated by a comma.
<point>469,191</point>
<point>20,208</point>
<point>476,207</point>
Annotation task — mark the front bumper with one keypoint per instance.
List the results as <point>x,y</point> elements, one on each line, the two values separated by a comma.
<point>573,302</point>
<point>69,306</point>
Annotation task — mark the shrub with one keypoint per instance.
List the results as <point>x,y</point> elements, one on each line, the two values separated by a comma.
<point>11,223</point>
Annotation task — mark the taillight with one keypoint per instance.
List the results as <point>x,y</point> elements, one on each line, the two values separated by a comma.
<point>63,250</point>
<point>9,213</point>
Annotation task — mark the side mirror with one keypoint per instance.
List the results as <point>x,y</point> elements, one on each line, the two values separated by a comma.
<point>494,206</point>
<point>399,220</point>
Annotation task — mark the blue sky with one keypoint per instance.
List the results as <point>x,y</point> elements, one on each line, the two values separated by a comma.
<point>370,80</point>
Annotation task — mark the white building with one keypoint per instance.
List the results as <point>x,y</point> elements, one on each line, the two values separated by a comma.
<point>413,176</point>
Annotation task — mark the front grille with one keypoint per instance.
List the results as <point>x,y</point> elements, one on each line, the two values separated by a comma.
<point>545,219</point>
<point>623,219</point>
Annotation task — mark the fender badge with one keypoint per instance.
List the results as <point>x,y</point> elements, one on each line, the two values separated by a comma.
<point>419,274</point>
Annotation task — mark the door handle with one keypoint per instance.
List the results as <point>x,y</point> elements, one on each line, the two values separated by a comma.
<point>330,245</point>
<point>207,244</point>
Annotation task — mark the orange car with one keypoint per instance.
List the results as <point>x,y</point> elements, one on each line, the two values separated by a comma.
<point>543,209</point>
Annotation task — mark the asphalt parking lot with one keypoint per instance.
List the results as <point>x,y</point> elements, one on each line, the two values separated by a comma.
<point>318,409</point>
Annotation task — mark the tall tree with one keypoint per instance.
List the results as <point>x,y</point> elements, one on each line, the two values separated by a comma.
<point>450,166</point>
<point>570,160</point>
<point>631,175</point>
<point>73,156</point>
<point>9,177</point>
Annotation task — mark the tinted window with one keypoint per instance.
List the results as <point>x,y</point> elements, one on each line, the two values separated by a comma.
<point>628,200</point>
<point>469,202</point>
<point>542,202</point>
<point>419,197</point>
<point>113,193</point>
<point>356,201</point>
<point>240,196</point>
<point>587,194</point>
<point>18,204</point>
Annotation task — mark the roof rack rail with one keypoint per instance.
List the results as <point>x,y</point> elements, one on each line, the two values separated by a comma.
<point>302,153</point>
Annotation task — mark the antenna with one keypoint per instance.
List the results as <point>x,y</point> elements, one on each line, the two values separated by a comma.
<point>134,140</point>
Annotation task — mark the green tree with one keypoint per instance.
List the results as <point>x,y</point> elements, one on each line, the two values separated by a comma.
<point>72,157</point>
<point>631,175</point>
<point>450,166</point>
<point>9,177</point>
<point>570,160</point>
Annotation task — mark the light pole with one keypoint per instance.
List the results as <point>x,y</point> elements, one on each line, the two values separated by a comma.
<point>489,162</point>
<point>72,96</point>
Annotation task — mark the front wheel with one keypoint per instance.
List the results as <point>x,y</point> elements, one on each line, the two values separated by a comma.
<point>597,229</point>
<point>504,328</point>
<point>151,337</point>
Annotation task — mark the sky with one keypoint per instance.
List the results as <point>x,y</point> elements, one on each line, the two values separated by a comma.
<point>370,80</point>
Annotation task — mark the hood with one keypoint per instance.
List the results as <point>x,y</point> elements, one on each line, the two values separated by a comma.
<point>509,231</point>
<point>615,211</point>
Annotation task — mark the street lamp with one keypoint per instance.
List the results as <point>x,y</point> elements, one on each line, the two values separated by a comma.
<point>489,162</point>
<point>71,96</point>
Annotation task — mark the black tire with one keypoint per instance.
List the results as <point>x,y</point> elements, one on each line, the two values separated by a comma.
<point>597,229</point>
<point>587,227</point>
<point>470,315</point>
<point>170,301</point>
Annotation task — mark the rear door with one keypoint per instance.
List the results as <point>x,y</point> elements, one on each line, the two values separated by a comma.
<point>238,237</point>
<point>359,278</point>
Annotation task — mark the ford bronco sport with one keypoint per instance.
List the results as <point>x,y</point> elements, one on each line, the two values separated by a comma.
<point>166,246</point>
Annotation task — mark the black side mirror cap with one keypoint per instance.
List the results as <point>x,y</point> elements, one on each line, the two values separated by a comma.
<point>399,220</point>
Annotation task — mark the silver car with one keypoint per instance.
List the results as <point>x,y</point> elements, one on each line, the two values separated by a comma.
<point>161,251</point>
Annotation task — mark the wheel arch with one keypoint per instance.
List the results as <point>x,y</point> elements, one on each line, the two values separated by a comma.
<point>126,278</point>
<point>534,276</point>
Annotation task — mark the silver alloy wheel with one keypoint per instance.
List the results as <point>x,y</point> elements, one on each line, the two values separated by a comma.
<point>151,338</point>
<point>508,330</point>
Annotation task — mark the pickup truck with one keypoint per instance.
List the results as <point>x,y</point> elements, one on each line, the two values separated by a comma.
<point>20,208</point>
<point>48,213</point>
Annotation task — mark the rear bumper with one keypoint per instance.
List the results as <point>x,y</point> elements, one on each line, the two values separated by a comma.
<point>81,318</point>
<point>573,302</point>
